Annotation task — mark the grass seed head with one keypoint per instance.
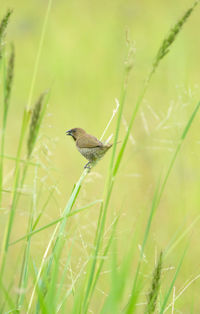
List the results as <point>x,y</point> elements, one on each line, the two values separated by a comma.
<point>3,26</point>
<point>155,286</point>
<point>9,77</point>
<point>35,123</point>
<point>168,41</point>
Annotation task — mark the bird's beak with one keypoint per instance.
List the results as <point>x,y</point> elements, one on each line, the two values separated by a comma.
<point>69,132</point>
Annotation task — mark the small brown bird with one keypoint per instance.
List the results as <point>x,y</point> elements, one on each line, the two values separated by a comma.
<point>88,145</point>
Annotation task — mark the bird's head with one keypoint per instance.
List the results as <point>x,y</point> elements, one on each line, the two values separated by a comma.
<point>76,133</point>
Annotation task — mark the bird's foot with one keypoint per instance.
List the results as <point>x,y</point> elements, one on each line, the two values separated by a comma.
<point>88,165</point>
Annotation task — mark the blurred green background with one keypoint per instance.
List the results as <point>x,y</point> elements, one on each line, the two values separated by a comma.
<point>82,63</point>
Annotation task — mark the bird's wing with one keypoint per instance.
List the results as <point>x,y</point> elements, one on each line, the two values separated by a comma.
<point>88,142</point>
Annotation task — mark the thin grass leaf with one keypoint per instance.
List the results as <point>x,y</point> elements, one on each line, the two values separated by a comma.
<point>34,130</point>
<point>59,240</point>
<point>166,297</point>
<point>36,122</point>
<point>63,278</point>
<point>130,307</point>
<point>50,297</point>
<point>183,136</point>
<point>37,219</point>
<point>108,187</point>
<point>25,121</point>
<point>186,286</point>
<point>39,50</point>
<point>7,297</point>
<point>112,301</point>
<point>59,231</point>
<point>25,265</point>
<point>7,232</point>
<point>12,282</point>
<point>120,275</point>
<point>40,292</point>
<point>105,253</point>
<point>75,212</point>
<point>42,265</point>
<point>78,295</point>
<point>21,160</point>
<point>158,196</point>
<point>16,184</point>
<point>160,55</point>
<point>7,291</point>
<point>176,240</point>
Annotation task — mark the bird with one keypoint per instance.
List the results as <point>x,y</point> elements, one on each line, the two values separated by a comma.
<point>88,145</point>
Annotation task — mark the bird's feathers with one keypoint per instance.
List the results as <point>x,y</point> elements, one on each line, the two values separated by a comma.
<point>88,141</point>
<point>88,145</point>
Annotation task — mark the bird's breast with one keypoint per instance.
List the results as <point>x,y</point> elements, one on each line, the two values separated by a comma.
<point>92,153</point>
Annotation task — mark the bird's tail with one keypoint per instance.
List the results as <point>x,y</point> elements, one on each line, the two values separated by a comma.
<point>110,145</point>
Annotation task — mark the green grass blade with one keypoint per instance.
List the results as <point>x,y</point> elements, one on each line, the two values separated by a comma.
<point>108,187</point>
<point>159,195</point>
<point>21,160</point>
<point>75,212</point>
<point>183,136</point>
<point>100,266</point>
<point>130,307</point>
<point>160,55</point>
<point>8,228</point>
<point>177,240</point>
<point>25,265</point>
<point>61,283</point>
<point>36,65</point>
<point>166,297</point>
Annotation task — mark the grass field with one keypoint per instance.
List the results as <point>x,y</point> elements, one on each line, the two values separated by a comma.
<point>122,238</point>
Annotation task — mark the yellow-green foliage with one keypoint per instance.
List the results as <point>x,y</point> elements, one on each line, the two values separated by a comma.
<point>92,245</point>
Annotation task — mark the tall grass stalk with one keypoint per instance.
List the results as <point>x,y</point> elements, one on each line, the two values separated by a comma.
<point>166,296</point>
<point>59,233</point>
<point>176,240</point>
<point>137,281</point>
<point>114,166</point>
<point>44,259</point>
<point>120,273</point>
<point>37,116</point>
<point>156,201</point>
<point>25,263</point>
<point>106,197</point>
<point>37,60</point>
<point>56,221</point>
<point>49,266</point>
<point>7,79</point>
<point>162,51</point>
<point>16,180</point>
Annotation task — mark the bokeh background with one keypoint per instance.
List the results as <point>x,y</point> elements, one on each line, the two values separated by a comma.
<point>82,63</point>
